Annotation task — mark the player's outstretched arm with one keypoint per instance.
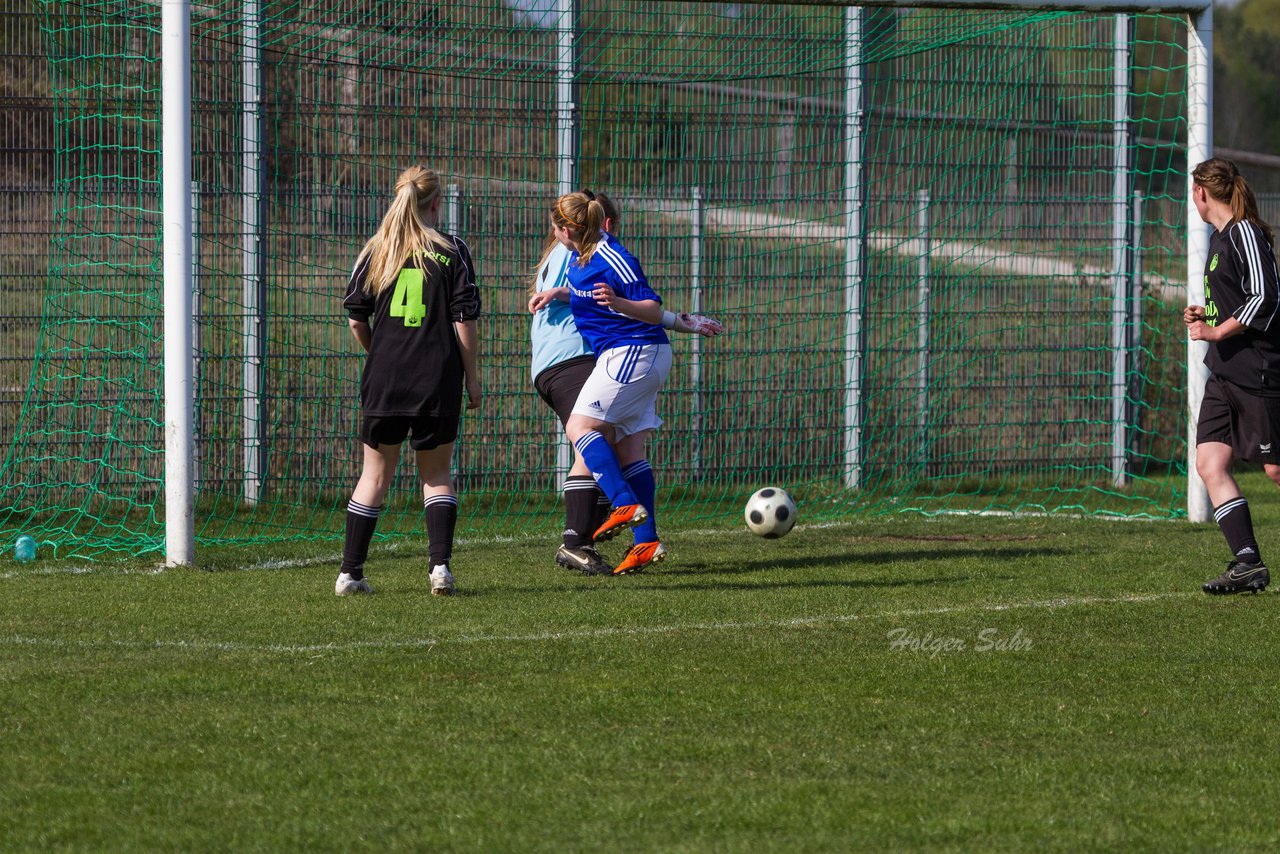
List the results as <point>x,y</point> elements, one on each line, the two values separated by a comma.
<point>697,324</point>
<point>651,311</point>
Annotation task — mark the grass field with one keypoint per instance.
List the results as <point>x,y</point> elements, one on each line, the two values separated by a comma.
<point>947,684</point>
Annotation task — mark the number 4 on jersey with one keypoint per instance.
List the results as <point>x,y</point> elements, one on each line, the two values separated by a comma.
<point>406,301</point>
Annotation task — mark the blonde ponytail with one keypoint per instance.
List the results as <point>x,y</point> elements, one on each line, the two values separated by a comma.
<point>406,231</point>
<point>612,217</point>
<point>547,248</point>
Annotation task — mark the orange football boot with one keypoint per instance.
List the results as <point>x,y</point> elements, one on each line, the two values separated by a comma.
<point>621,517</point>
<point>640,556</point>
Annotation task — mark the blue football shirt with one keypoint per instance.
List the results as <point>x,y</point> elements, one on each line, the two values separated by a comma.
<point>603,327</point>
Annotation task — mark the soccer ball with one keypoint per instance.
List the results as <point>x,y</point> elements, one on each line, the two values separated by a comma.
<point>770,513</point>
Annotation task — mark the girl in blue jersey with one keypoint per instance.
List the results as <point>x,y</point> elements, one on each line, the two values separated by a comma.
<point>621,319</point>
<point>1240,320</point>
<point>562,363</point>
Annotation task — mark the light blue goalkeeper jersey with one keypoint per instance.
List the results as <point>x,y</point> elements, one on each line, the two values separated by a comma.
<point>554,334</point>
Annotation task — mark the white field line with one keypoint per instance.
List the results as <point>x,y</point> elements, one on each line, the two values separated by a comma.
<point>585,633</point>
<point>336,557</point>
<point>77,569</point>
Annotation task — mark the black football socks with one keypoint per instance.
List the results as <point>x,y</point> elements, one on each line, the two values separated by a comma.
<point>1237,526</point>
<point>442,516</point>
<point>580,494</point>
<point>362,521</point>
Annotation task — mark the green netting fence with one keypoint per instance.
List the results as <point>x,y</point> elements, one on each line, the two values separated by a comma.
<point>990,332</point>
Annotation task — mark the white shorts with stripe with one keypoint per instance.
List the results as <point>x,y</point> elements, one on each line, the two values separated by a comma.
<point>623,389</point>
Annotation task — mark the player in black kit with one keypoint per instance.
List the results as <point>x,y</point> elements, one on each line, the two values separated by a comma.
<point>412,303</point>
<point>1240,320</point>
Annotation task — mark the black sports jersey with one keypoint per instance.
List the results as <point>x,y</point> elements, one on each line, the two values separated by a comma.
<point>1241,281</point>
<point>414,366</point>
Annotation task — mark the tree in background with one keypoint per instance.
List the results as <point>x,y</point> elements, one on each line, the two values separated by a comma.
<point>1246,76</point>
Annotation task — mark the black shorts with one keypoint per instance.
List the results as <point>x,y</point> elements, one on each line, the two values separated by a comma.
<point>1248,422</point>
<point>559,384</point>
<point>428,431</point>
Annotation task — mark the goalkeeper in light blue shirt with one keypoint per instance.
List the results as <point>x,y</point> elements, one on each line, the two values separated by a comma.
<point>623,322</point>
<point>562,363</point>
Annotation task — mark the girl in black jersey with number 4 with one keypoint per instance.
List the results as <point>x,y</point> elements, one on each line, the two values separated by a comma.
<point>412,304</point>
<point>1240,320</point>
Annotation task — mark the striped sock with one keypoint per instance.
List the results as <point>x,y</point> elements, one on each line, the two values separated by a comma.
<point>442,516</point>
<point>362,521</point>
<point>639,476</point>
<point>1236,523</point>
<point>600,458</point>
<point>580,493</point>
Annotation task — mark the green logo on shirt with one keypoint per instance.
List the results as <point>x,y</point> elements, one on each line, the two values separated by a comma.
<point>436,256</point>
<point>1213,264</point>
<point>406,301</point>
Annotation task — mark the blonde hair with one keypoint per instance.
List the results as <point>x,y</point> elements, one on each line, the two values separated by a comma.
<point>406,230</point>
<point>584,217</point>
<point>1223,181</point>
<point>611,216</point>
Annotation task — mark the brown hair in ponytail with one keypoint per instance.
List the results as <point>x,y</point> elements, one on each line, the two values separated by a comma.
<point>611,215</point>
<point>584,218</point>
<point>1223,181</point>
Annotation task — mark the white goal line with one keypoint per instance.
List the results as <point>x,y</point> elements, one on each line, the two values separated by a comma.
<point>414,541</point>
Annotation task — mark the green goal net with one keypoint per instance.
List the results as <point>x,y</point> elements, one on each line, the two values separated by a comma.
<point>945,245</point>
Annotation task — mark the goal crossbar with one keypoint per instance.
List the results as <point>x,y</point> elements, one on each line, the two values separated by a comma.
<point>1190,7</point>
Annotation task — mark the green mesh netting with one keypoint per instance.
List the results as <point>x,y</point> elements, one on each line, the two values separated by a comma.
<point>957,350</point>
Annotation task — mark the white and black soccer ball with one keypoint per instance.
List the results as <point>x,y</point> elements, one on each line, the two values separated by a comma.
<point>770,513</point>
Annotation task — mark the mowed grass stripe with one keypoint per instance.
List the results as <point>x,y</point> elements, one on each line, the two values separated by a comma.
<point>593,633</point>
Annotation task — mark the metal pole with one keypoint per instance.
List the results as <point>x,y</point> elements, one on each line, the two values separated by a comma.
<point>252,258</point>
<point>1135,326</point>
<point>1120,251</point>
<point>566,149</point>
<point>1199,149</point>
<point>922,337</point>
<point>1171,6</point>
<point>453,225</point>
<point>453,209</point>
<point>697,221</point>
<point>853,258</point>
<point>566,109</point>
<point>175,168</point>
<point>197,344</point>
<point>784,153</point>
